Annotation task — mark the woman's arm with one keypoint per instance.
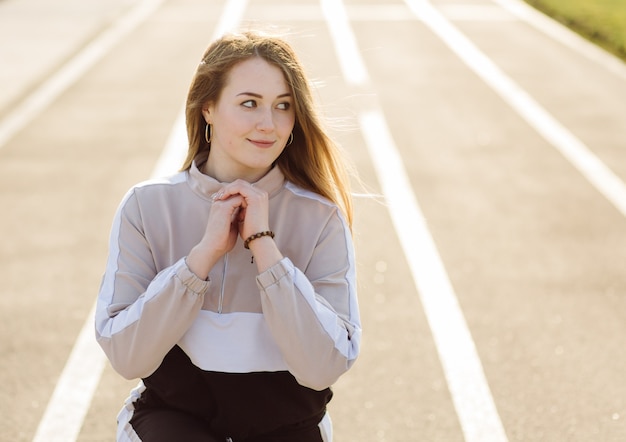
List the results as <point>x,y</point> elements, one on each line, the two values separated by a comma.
<point>140,315</point>
<point>314,318</point>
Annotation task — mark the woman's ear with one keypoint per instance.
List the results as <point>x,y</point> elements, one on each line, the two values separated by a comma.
<point>206,113</point>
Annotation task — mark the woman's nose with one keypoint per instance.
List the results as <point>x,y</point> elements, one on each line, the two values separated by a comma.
<point>266,120</point>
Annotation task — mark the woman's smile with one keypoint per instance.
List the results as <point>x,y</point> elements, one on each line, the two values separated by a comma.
<point>263,144</point>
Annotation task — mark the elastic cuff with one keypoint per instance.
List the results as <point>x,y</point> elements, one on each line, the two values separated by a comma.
<point>190,279</point>
<point>275,273</point>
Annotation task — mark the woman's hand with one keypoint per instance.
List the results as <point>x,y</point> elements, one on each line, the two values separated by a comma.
<point>238,209</point>
<point>253,218</point>
<point>220,236</point>
<point>254,213</point>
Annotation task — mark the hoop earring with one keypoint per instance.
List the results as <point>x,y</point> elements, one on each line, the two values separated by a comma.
<point>290,139</point>
<point>207,133</point>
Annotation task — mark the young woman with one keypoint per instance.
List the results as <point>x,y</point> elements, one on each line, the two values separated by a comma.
<point>230,287</point>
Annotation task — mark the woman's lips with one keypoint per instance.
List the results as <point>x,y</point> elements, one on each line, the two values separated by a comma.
<point>262,143</point>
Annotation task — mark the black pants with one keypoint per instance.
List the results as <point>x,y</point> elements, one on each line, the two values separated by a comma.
<point>165,425</point>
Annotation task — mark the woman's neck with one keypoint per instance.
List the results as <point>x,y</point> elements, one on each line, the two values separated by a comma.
<point>223,175</point>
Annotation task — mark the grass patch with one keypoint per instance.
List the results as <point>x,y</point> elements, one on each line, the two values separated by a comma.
<point>601,21</point>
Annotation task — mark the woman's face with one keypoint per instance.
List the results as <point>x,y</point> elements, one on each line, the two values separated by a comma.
<point>251,121</point>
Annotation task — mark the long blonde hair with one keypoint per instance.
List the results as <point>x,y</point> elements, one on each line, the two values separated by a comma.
<point>313,161</point>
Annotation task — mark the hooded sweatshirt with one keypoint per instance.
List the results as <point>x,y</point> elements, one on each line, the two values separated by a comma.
<point>248,353</point>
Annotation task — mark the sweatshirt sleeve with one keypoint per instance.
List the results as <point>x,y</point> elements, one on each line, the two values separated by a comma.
<point>141,315</point>
<point>314,315</point>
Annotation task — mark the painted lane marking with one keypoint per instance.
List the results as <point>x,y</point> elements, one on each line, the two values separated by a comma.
<point>77,384</point>
<point>564,35</point>
<point>461,364</point>
<point>348,54</point>
<point>175,150</point>
<point>72,395</point>
<point>574,150</point>
<point>377,13</point>
<point>79,379</point>
<point>27,110</point>
<point>475,13</point>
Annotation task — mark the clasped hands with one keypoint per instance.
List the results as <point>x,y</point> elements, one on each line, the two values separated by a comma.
<point>238,209</point>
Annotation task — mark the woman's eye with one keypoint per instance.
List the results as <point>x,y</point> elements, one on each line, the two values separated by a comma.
<point>249,103</point>
<point>284,106</point>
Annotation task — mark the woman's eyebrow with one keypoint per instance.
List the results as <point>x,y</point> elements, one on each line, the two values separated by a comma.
<point>253,94</point>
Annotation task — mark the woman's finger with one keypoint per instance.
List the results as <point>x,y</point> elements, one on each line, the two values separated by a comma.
<point>237,187</point>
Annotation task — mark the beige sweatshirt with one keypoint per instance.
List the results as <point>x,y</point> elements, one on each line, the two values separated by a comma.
<point>301,316</point>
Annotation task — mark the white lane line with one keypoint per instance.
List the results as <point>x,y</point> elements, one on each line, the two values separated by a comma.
<point>384,12</point>
<point>173,155</point>
<point>475,13</point>
<point>72,395</point>
<point>564,35</point>
<point>352,65</point>
<point>468,385</point>
<point>574,150</point>
<point>77,384</point>
<point>27,110</point>
<point>230,19</point>
<point>70,400</point>
<point>461,364</point>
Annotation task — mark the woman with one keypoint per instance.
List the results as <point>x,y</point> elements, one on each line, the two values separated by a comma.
<point>230,286</point>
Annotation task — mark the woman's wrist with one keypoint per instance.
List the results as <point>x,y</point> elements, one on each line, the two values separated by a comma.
<point>265,252</point>
<point>200,262</point>
<point>256,236</point>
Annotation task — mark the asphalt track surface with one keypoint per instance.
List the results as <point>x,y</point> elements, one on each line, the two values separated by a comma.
<point>491,231</point>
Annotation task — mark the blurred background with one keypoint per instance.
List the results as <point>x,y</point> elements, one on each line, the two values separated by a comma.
<point>489,140</point>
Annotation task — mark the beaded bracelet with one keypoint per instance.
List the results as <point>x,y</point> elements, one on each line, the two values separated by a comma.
<point>251,238</point>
